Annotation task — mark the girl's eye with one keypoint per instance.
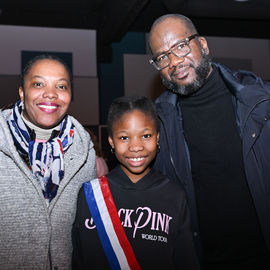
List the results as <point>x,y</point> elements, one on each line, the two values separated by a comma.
<point>145,136</point>
<point>124,138</point>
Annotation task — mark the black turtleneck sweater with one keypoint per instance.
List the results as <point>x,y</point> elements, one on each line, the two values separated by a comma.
<point>230,232</point>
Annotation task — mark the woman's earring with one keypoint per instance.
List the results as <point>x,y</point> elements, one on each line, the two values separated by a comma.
<point>112,150</point>
<point>22,105</point>
<point>158,147</point>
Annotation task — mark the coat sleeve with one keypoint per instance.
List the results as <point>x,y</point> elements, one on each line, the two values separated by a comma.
<point>77,254</point>
<point>162,157</point>
<point>185,257</point>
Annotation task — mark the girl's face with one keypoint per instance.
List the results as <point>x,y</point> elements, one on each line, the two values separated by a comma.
<point>46,93</point>
<point>135,142</point>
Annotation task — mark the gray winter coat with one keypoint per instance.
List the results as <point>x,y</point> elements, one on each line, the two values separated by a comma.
<point>32,235</point>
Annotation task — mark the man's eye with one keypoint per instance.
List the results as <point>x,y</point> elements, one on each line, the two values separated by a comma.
<point>161,58</point>
<point>180,46</point>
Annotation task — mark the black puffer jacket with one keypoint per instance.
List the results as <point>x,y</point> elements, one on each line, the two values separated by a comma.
<point>251,99</point>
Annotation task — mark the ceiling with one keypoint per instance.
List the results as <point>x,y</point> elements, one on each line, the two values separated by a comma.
<point>113,18</point>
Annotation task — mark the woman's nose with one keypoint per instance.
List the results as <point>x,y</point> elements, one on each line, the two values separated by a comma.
<point>50,92</point>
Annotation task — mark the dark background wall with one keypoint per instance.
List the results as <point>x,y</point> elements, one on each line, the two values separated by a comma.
<point>120,47</point>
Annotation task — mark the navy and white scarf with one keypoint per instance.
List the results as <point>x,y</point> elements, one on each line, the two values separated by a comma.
<point>45,158</point>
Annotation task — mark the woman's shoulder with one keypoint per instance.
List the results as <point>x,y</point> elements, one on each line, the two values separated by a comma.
<point>4,113</point>
<point>82,148</point>
<point>4,129</point>
<point>77,124</point>
<point>6,144</point>
<point>80,134</point>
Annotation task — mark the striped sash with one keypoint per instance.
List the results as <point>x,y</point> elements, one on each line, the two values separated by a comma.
<point>111,233</point>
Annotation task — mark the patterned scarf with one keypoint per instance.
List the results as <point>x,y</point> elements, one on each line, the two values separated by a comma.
<point>45,158</point>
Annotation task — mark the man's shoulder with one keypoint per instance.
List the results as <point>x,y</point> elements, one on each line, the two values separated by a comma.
<point>167,97</point>
<point>166,102</point>
<point>239,76</point>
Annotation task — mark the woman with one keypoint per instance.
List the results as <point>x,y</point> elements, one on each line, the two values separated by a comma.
<point>45,156</point>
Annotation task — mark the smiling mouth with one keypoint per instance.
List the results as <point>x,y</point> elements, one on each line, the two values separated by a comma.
<point>48,107</point>
<point>180,72</point>
<point>136,159</point>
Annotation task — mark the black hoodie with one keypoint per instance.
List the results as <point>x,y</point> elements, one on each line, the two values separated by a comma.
<point>155,218</point>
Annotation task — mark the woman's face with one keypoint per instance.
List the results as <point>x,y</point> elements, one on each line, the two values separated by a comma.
<point>46,93</point>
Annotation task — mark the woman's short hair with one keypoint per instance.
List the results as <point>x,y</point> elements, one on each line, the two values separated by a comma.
<point>37,58</point>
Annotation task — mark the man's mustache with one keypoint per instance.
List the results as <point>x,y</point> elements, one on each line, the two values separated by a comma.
<point>178,67</point>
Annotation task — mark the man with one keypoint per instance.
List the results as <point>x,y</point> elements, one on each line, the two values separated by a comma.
<point>215,141</point>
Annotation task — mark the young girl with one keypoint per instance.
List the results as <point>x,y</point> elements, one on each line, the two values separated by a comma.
<point>134,218</point>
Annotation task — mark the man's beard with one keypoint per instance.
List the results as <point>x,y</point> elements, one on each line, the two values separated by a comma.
<point>201,71</point>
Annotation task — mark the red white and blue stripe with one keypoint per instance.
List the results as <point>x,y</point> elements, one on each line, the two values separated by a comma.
<point>104,213</point>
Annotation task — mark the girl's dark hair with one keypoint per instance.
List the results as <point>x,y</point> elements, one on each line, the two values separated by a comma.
<point>37,58</point>
<point>123,105</point>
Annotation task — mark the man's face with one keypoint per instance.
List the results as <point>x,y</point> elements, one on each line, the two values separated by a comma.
<point>187,74</point>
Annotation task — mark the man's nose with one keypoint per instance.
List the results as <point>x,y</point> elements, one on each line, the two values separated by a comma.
<point>175,60</point>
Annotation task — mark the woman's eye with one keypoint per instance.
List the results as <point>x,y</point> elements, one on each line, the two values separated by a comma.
<point>62,87</point>
<point>38,84</point>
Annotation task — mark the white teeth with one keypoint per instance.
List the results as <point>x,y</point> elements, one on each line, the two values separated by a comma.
<point>47,107</point>
<point>137,159</point>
